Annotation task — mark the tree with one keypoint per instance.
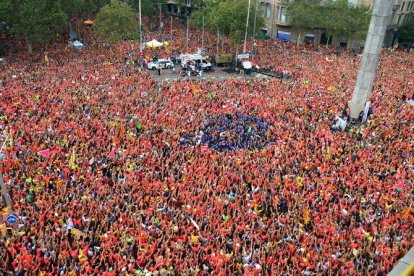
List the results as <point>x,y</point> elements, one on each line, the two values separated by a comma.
<point>229,17</point>
<point>336,17</point>
<point>77,9</point>
<point>358,22</point>
<point>148,7</point>
<point>406,32</point>
<point>304,14</point>
<point>116,21</point>
<point>37,21</point>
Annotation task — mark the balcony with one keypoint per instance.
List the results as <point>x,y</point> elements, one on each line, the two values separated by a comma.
<point>396,7</point>
<point>283,23</point>
<point>392,27</point>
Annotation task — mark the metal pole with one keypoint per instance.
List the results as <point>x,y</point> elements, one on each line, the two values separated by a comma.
<point>170,27</point>
<point>218,40</point>
<point>186,40</point>
<point>159,5</point>
<point>202,35</point>
<point>247,26</point>
<point>140,28</point>
<point>254,29</point>
<point>366,76</point>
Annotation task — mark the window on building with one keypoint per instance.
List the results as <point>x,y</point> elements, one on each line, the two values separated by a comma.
<point>402,6</point>
<point>263,8</point>
<point>281,14</point>
<point>268,10</point>
<point>353,2</point>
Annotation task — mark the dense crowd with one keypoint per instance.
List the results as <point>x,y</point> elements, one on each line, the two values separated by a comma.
<point>102,185</point>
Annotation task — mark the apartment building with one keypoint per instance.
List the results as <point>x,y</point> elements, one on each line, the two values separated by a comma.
<point>278,27</point>
<point>403,13</point>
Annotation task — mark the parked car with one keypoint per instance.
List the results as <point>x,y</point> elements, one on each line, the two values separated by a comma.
<point>161,63</point>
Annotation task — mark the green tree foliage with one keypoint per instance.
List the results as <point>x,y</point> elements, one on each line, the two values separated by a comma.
<point>37,21</point>
<point>406,33</point>
<point>229,17</point>
<point>304,14</point>
<point>5,10</point>
<point>358,22</point>
<point>336,17</point>
<point>341,18</point>
<point>148,7</point>
<point>116,21</point>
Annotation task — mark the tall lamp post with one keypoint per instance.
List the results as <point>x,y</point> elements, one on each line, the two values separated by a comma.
<point>254,30</point>
<point>188,27</point>
<point>247,26</point>
<point>141,46</point>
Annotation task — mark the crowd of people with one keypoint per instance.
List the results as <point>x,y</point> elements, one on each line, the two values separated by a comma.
<point>102,185</point>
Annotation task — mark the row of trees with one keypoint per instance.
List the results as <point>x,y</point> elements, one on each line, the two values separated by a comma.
<point>335,17</point>
<point>228,18</point>
<point>42,21</point>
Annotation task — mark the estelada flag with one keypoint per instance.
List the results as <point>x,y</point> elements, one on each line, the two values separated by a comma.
<point>195,89</point>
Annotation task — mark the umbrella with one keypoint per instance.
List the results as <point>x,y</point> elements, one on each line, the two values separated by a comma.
<point>88,22</point>
<point>153,44</point>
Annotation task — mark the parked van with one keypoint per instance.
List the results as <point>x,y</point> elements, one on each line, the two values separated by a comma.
<point>196,60</point>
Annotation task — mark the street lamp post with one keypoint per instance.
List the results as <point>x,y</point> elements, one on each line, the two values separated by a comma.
<point>187,34</point>
<point>140,28</point>
<point>202,35</point>
<point>254,30</point>
<point>159,6</point>
<point>170,27</point>
<point>247,26</point>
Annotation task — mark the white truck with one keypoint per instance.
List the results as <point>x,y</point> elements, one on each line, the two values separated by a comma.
<point>195,60</point>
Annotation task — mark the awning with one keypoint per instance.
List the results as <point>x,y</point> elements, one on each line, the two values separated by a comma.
<point>283,35</point>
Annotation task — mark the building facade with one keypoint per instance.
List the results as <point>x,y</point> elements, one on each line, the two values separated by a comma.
<point>278,27</point>
<point>403,13</point>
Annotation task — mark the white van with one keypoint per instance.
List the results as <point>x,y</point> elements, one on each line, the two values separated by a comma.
<point>196,60</point>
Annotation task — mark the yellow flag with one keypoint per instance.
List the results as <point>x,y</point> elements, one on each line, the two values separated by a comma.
<point>406,213</point>
<point>72,158</point>
<point>306,216</point>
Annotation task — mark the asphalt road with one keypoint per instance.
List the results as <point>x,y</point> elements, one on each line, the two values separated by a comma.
<point>217,73</point>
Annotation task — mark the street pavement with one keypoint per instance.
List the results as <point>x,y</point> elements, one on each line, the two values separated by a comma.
<point>217,73</point>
